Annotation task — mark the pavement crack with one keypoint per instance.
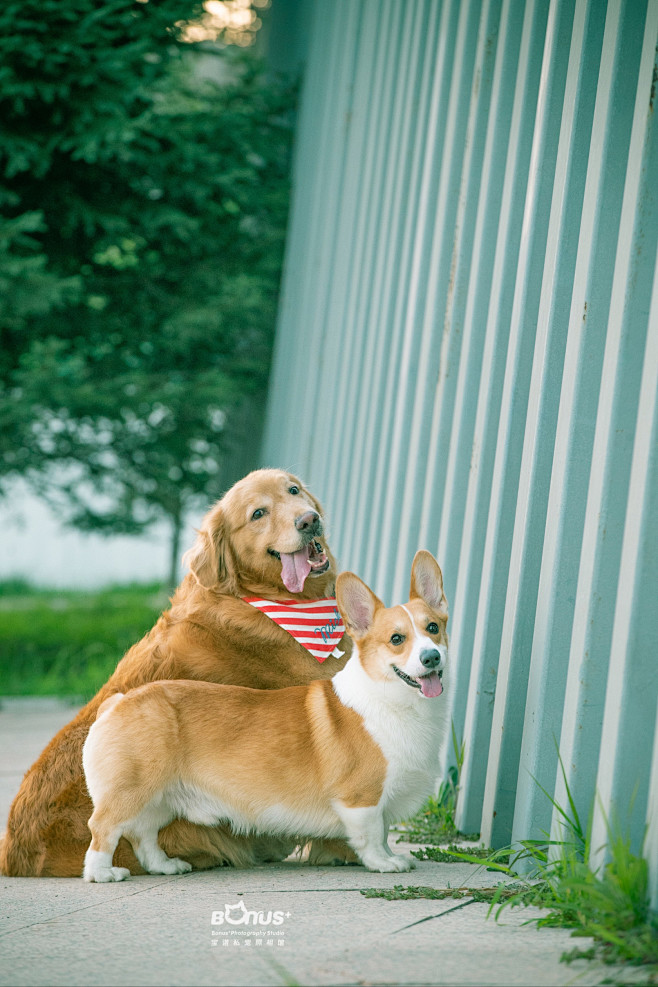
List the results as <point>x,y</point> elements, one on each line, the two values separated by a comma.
<point>84,908</point>
<point>455,908</point>
<point>296,891</point>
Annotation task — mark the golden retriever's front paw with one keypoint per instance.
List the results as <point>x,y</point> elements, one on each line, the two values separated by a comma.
<point>331,853</point>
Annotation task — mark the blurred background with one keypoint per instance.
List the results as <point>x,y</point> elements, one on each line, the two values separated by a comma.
<point>144,183</point>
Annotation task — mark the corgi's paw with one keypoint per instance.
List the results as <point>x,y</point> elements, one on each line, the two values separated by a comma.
<point>391,865</point>
<point>171,865</point>
<point>98,868</point>
<point>409,862</point>
<point>104,875</point>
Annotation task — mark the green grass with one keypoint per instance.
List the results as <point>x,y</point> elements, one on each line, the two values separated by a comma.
<point>67,642</point>
<point>454,854</point>
<point>499,892</point>
<point>610,905</point>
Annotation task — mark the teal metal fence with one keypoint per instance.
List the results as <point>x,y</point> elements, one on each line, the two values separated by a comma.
<point>467,361</point>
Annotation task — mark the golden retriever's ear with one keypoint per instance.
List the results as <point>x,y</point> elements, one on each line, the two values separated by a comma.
<point>427,582</point>
<point>210,559</point>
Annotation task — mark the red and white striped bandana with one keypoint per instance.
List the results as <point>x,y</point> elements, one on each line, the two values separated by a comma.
<point>316,624</point>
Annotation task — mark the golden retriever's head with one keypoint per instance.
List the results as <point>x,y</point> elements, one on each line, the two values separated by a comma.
<point>265,536</point>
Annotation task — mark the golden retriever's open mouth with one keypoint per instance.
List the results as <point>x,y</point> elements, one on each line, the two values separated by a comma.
<point>296,566</point>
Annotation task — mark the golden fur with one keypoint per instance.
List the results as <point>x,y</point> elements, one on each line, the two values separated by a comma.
<point>210,635</point>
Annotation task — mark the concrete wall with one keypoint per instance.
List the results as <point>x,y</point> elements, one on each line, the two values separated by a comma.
<point>466,361</point>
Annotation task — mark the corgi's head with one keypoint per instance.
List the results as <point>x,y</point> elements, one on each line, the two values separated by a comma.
<point>406,645</point>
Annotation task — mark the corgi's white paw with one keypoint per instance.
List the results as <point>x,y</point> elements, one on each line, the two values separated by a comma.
<point>103,875</point>
<point>409,862</point>
<point>391,865</point>
<point>99,870</point>
<point>172,865</point>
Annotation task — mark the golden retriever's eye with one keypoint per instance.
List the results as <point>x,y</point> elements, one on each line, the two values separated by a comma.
<point>432,628</point>
<point>293,489</point>
<point>397,639</point>
<point>261,512</point>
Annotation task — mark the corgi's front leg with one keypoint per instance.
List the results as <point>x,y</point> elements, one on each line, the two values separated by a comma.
<point>367,832</point>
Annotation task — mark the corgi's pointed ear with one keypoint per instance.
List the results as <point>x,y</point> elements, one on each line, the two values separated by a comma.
<point>427,582</point>
<point>357,604</point>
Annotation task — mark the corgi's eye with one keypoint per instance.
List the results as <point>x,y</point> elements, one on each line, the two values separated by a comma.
<point>432,628</point>
<point>293,490</point>
<point>397,639</point>
<point>261,512</point>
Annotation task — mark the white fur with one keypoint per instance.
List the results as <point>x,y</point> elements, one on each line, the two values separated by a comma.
<point>99,869</point>
<point>422,642</point>
<point>199,806</point>
<point>367,831</point>
<point>407,727</point>
<point>410,730</point>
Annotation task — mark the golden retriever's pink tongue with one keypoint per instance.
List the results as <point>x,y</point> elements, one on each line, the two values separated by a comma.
<point>430,685</point>
<point>294,569</point>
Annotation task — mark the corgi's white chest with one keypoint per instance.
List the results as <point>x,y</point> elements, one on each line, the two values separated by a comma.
<point>409,734</point>
<point>411,747</point>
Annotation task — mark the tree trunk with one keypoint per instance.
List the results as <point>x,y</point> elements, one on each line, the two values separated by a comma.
<point>176,528</point>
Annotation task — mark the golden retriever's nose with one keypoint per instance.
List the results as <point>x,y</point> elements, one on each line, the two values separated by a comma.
<point>307,522</point>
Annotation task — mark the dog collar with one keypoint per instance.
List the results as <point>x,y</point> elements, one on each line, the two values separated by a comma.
<point>316,624</point>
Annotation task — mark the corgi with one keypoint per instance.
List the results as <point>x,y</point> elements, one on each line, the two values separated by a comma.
<point>337,758</point>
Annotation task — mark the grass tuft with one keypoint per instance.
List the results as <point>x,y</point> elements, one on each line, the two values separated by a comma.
<point>455,853</point>
<point>490,895</point>
<point>610,905</point>
<point>579,954</point>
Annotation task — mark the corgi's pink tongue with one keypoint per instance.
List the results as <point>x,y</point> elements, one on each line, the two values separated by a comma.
<point>294,569</point>
<point>430,685</point>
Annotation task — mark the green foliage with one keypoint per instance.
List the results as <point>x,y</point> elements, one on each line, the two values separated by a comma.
<point>67,643</point>
<point>142,219</point>
<point>610,904</point>
<point>579,954</point>
<point>455,852</point>
<point>499,892</point>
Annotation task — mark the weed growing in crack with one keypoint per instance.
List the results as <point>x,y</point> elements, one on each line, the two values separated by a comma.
<point>455,853</point>
<point>610,905</point>
<point>400,893</point>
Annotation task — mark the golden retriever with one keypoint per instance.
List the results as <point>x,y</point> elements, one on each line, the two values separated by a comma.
<point>264,538</point>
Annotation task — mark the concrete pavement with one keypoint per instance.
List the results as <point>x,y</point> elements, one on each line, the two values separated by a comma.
<point>322,931</point>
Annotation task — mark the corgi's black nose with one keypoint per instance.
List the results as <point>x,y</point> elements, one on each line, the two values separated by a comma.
<point>430,658</point>
<point>307,521</point>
